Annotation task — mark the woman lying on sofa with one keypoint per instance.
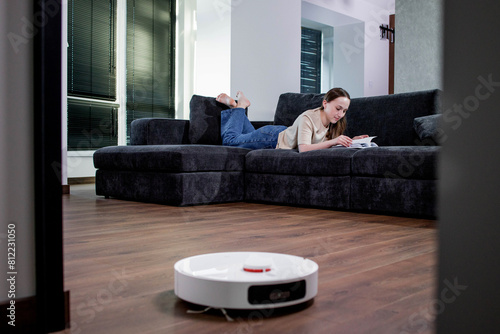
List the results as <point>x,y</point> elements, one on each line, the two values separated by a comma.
<point>314,129</point>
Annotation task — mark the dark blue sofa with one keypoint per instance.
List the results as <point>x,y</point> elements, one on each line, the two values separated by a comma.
<point>181,162</point>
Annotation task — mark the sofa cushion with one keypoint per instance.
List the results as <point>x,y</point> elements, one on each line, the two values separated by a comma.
<point>204,119</point>
<point>171,158</point>
<point>328,162</point>
<point>403,162</point>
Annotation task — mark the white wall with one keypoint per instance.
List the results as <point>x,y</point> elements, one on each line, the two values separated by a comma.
<point>376,51</point>
<point>252,46</point>
<point>265,54</point>
<point>16,144</point>
<point>349,59</point>
<point>213,47</point>
<point>346,69</point>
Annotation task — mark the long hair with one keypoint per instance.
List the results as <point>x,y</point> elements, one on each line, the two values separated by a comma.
<point>335,129</point>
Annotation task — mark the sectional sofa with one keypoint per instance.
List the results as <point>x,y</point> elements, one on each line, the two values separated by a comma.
<point>182,162</point>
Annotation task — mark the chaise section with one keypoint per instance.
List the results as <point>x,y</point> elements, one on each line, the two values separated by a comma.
<point>171,174</point>
<point>317,178</point>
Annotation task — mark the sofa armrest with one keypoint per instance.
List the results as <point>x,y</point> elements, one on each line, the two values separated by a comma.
<point>159,131</point>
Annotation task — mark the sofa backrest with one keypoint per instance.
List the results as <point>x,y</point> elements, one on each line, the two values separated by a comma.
<point>389,117</point>
<point>159,131</point>
<point>291,105</point>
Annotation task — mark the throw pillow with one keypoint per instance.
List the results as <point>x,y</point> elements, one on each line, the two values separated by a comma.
<point>427,127</point>
<point>204,120</point>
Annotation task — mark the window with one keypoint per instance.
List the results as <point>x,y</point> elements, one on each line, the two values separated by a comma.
<point>94,93</point>
<point>91,74</point>
<point>150,59</point>
<point>310,61</point>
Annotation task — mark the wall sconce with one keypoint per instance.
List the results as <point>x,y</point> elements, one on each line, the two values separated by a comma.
<point>387,33</point>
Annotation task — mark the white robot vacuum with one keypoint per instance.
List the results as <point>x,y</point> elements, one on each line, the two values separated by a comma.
<point>246,280</point>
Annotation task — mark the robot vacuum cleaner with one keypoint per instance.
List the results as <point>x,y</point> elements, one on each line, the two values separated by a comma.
<point>246,280</point>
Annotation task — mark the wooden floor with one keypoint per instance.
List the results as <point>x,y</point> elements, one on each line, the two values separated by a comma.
<point>377,274</point>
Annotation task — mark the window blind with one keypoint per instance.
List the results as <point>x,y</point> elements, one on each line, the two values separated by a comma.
<point>310,61</point>
<point>91,51</point>
<point>92,125</point>
<point>92,74</point>
<point>150,59</point>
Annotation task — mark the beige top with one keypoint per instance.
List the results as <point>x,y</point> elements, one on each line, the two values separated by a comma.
<point>307,129</point>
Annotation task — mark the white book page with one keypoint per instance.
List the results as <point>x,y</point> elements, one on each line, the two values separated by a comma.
<point>363,140</point>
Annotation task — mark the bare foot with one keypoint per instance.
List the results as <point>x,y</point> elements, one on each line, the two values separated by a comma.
<point>227,100</point>
<point>243,102</point>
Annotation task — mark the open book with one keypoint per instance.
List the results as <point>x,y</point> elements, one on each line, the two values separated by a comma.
<point>362,143</point>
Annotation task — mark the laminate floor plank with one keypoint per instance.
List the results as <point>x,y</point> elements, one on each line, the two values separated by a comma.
<point>377,273</point>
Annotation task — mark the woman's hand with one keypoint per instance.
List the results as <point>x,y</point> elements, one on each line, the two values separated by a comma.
<point>341,140</point>
<point>360,137</point>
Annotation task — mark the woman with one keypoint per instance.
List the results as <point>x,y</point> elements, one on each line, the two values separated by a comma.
<point>314,129</point>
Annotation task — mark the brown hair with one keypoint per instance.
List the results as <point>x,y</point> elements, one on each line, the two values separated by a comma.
<point>337,129</point>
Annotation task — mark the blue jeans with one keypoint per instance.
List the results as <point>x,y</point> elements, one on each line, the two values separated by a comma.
<point>236,130</point>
